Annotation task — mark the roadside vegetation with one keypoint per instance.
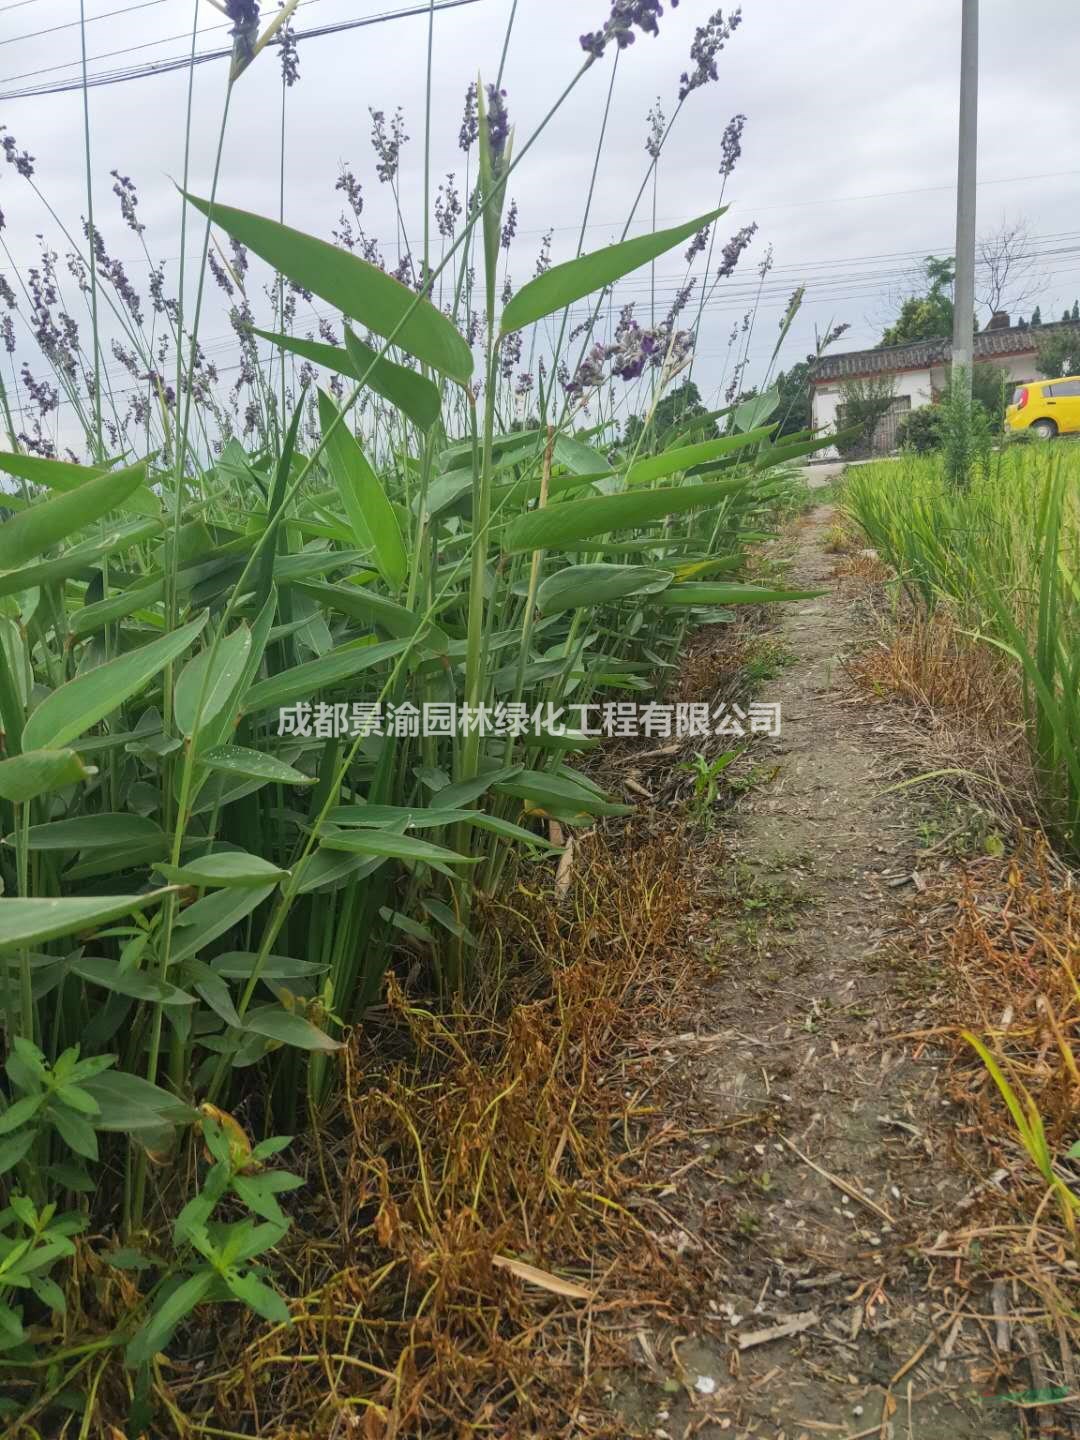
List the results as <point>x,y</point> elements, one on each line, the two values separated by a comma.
<point>235,866</point>
<point>977,589</point>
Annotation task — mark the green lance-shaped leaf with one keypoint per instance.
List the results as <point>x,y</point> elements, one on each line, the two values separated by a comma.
<point>77,561</point>
<point>136,984</point>
<point>82,702</point>
<point>213,677</point>
<point>93,832</point>
<point>228,868</point>
<point>175,1306</point>
<point>254,765</point>
<point>655,467</point>
<point>579,585</point>
<point>44,524</point>
<point>538,788</point>
<point>62,477</point>
<point>31,922</point>
<point>414,395</point>
<point>562,525</point>
<point>36,772</point>
<point>351,285</point>
<point>127,1103</point>
<point>370,513</point>
<point>210,917</point>
<point>360,603</point>
<point>755,411</point>
<point>395,847</point>
<point>563,284</point>
<point>303,682</point>
<point>277,1024</point>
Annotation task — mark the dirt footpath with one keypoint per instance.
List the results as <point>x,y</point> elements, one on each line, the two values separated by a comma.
<point>832,1194</point>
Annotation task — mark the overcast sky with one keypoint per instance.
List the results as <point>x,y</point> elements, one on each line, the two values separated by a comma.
<point>848,164</point>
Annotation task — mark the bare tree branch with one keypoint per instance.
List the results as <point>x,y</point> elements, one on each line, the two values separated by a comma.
<point>1005,268</point>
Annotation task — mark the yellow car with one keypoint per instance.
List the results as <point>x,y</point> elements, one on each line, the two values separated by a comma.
<point>1046,407</point>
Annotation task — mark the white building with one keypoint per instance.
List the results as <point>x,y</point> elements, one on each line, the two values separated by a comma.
<point>919,373</point>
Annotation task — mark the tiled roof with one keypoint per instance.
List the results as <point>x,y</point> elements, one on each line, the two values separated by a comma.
<point>1013,340</point>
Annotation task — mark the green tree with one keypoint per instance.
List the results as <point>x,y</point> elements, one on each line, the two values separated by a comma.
<point>928,316</point>
<point>864,403</point>
<point>794,410</point>
<point>1058,354</point>
<point>1036,316</point>
<point>676,411</point>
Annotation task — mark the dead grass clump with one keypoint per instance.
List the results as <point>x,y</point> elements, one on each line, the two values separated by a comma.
<point>716,659</point>
<point>1005,933</point>
<point>473,1258</point>
<point>929,662</point>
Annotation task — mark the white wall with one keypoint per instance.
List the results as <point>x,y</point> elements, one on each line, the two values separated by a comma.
<point>916,384</point>
<point>919,385</point>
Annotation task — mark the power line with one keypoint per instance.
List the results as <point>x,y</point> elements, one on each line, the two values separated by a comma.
<point>180,62</point>
<point>78,24</point>
<point>123,49</point>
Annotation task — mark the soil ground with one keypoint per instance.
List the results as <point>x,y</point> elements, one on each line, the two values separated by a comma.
<point>824,1211</point>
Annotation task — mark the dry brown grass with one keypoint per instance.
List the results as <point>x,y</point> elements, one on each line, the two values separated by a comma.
<point>930,663</point>
<point>1004,935</point>
<point>491,1137</point>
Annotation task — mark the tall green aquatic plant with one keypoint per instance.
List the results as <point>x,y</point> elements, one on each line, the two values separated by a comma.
<point>1004,551</point>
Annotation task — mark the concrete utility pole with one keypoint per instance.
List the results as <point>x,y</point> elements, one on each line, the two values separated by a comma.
<point>964,288</point>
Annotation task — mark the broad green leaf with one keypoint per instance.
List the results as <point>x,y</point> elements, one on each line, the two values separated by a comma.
<point>540,788</point>
<point>655,467</point>
<point>563,525</point>
<point>36,772</point>
<point>75,1132</point>
<point>77,561</point>
<point>414,395</point>
<point>395,847</point>
<point>358,289</point>
<point>135,983</point>
<point>582,585</point>
<point>370,513</point>
<point>705,593</point>
<point>176,1306</point>
<point>303,682</point>
<point>239,964</point>
<point>210,917</point>
<point>267,1303</point>
<point>13,1149</point>
<point>128,1103</point>
<point>62,477</point>
<point>363,605</point>
<point>579,458</point>
<point>229,867</point>
<point>213,989</point>
<point>464,792</point>
<point>755,411</point>
<point>282,1025</point>
<point>46,522</point>
<point>20,1112</point>
<point>93,832</point>
<point>117,607</point>
<point>255,764</point>
<point>30,922</point>
<point>71,710</point>
<point>219,676</point>
<point>563,284</point>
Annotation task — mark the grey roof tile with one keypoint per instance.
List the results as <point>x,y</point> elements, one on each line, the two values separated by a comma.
<point>886,359</point>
